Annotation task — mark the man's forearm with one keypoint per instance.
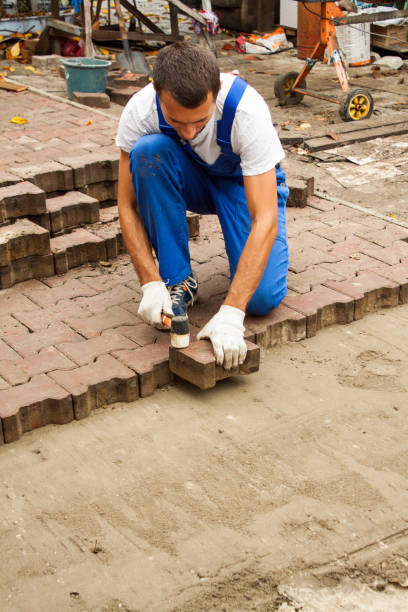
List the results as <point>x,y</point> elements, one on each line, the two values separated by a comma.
<point>251,265</point>
<point>261,196</point>
<point>133,230</point>
<point>137,244</point>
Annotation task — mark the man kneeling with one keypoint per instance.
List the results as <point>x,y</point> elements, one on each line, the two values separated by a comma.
<point>204,142</point>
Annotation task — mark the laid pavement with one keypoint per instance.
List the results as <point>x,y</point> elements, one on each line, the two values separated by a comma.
<point>72,342</point>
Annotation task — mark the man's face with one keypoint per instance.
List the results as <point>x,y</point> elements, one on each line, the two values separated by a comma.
<point>187,122</point>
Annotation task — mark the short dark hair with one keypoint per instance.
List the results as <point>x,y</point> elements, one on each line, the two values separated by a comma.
<point>188,72</point>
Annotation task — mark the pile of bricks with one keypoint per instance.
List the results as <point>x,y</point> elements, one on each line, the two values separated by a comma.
<point>44,209</point>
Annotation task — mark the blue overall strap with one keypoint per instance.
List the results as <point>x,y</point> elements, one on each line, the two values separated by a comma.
<point>163,125</point>
<point>224,125</point>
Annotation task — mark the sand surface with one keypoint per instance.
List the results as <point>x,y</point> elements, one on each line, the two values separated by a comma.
<point>285,490</point>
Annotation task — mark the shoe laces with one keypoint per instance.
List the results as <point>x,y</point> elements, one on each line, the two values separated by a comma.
<point>188,285</point>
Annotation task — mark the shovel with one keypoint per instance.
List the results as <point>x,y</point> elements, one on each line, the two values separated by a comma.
<point>125,62</point>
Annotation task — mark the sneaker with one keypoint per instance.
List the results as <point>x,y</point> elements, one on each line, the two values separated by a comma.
<point>183,294</point>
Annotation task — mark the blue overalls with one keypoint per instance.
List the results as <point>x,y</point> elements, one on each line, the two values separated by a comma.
<point>168,177</point>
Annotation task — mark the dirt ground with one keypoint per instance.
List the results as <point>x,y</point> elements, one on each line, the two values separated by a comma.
<point>285,490</point>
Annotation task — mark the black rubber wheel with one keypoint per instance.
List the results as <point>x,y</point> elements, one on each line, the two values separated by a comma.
<point>283,89</point>
<point>356,104</point>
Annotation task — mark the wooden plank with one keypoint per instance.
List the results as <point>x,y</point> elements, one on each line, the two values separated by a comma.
<point>365,124</point>
<point>63,26</point>
<point>88,50</point>
<point>111,35</point>
<point>399,49</point>
<point>141,17</point>
<point>320,144</point>
<point>370,17</point>
<point>174,25</point>
<point>11,86</point>
<point>183,8</point>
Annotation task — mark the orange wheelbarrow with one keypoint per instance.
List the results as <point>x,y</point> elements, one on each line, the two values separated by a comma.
<point>290,88</point>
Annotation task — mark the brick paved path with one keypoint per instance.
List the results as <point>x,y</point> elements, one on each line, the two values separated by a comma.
<point>71,342</point>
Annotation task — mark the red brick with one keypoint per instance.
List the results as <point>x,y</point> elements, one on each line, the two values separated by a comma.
<point>75,249</point>
<point>6,179</point>
<point>137,80</point>
<point>87,351</point>
<point>9,325</point>
<point>29,344</point>
<point>21,200</point>
<point>34,404</point>
<point>391,255</point>
<point>3,385</point>
<point>92,326</point>
<point>41,220</point>
<point>105,191</point>
<point>47,296</point>
<point>109,214</point>
<point>216,265</point>
<point>281,325</point>
<point>350,246</point>
<point>104,301</point>
<point>12,300</point>
<point>70,210</point>
<point>321,204</point>
<point>217,285</point>
<point>196,364</point>
<point>315,275</point>
<point>322,307</point>
<point>398,274</point>
<point>311,240</point>
<point>41,318</point>
<point>37,266</point>
<point>193,222</point>
<point>350,267</point>
<point>49,176</point>
<point>96,100</point>
<point>104,281</point>
<point>22,239</point>
<point>7,353</point>
<point>340,230</point>
<point>300,225</point>
<point>46,62</point>
<point>47,360</point>
<point>95,167</point>
<point>369,291</point>
<point>150,363</point>
<point>385,237</point>
<point>103,382</point>
<point>301,259</point>
<point>202,312</point>
<point>122,96</point>
<point>299,191</point>
<point>111,235</point>
<point>203,250</point>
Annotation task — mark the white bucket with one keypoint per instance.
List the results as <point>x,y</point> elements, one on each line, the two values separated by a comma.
<point>354,41</point>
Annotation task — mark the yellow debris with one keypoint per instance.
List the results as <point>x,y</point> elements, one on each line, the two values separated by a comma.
<point>18,120</point>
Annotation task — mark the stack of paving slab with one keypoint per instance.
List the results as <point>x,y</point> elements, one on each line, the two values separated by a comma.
<point>58,215</point>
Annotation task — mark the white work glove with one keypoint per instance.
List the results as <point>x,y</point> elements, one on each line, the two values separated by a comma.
<point>155,301</point>
<point>226,332</point>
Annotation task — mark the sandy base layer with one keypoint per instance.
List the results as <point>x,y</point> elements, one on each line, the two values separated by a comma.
<point>285,490</point>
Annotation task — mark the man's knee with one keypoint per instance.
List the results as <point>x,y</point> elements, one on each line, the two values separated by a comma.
<point>148,154</point>
<point>266,299</point>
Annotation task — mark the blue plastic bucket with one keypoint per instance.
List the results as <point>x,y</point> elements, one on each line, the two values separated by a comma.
<point>86,74</point>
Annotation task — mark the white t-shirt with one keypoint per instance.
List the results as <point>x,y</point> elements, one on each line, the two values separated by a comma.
<point>253,136</point>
